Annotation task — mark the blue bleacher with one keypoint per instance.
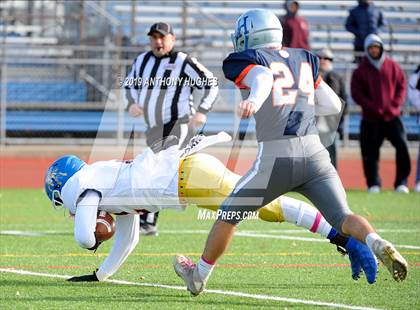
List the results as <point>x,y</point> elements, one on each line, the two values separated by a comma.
<point>46,92</point>
<point>410,124</point>
<point>92,121</point>
<point>54,89</point>
<point>318,13</point>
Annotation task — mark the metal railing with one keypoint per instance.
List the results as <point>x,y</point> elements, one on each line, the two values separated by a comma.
<point>102,67</point>
<point>108,99</point>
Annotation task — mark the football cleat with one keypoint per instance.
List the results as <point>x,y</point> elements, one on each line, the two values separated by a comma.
<point>199,142</point>
<point>374,189</point>
<point>148,230</point>
<point>192,145</point>
<point>402,189</point>
<point>361,258</point>
<point>187,270</point>
<point>393,261</point>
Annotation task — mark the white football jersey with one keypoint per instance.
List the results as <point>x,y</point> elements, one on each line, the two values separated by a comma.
<point>149,182</point>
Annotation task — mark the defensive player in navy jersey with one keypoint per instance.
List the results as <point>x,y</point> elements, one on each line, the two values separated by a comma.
<point>285,94</point>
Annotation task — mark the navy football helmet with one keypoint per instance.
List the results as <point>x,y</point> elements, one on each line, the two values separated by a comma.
<point>58,174</point>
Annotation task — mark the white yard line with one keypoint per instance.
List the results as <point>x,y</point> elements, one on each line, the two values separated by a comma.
<point>283,237</point>
<point>23,233</point>
<point>411,247</point>
<point>171,231</point>
<point>252,235</point>
<point>219,292</point>
<point>245,233</point>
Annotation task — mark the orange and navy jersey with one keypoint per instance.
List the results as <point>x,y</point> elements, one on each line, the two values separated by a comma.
<point>289,110</point>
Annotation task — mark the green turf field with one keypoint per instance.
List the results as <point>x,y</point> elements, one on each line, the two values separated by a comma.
<point>261,263</point>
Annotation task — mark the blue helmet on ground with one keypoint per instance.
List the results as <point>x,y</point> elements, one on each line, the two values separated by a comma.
<point>58,174</point>
<point>257,28</point>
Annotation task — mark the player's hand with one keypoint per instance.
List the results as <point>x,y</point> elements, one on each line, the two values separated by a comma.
<point>246,109</point>
<point>86,278</point>
<point>198,120</point>
<point>134,110</point>
<point>361,257</point>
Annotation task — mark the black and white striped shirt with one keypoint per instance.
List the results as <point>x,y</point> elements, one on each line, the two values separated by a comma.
<point>157,86</point>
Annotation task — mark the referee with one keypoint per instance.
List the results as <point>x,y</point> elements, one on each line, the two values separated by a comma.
<point>160,86</point>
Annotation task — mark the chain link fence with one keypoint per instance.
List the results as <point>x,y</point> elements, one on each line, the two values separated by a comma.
<point>62,63</point>
<point>77,98</point>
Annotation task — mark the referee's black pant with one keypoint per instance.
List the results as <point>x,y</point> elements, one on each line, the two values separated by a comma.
<point>178,128</point>
<point>372,135</point>
<point>155,139</point>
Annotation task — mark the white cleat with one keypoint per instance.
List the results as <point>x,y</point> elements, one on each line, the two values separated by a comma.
<point>199,142</point>
<point>417,188</point>
<point>375,189</point>
<point>148,230</point>
<point>392,260</point>
<point>187,270</point>
<point>402,189</point>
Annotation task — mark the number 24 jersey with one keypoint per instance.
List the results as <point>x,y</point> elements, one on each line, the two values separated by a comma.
<point>289,111</point>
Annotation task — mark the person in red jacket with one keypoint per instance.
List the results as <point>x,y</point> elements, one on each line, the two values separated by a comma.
<point>295,27</point>
<point>378,85</point>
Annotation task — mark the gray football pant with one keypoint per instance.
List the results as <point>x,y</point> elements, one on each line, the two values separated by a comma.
<point>299,164</point>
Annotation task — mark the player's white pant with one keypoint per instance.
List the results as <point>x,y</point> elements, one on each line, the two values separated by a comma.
<point>125,240</point>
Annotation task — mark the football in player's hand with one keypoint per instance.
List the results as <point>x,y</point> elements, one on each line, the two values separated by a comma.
<point>105,226</point>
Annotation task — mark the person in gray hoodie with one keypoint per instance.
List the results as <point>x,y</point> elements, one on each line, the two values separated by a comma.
<point>328,126</point>
<point>379,86</point>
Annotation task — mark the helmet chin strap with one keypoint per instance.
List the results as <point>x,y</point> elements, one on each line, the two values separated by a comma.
<point>233,38</point>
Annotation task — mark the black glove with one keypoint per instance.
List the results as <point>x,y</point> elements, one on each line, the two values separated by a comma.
<point>95,247</point>
<point>341,250</point>
<point>86,278</point>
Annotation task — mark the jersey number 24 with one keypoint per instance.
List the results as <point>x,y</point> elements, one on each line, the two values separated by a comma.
<point>284,92</point>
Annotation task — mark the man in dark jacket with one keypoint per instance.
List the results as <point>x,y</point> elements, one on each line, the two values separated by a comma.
<point>378,85</point>
<point>328,126</point>
<point>363,20</point>
<point>295,27</point>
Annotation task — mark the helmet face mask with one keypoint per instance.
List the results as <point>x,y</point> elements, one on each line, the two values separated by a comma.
<point>57,201</point>
<point>255,29</point>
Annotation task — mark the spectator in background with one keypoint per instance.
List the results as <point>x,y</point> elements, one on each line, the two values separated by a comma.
<point>363,20</point>
<point>379,86</point>
<point>329,125</point>
<point>413,95</point>
<point>295,27</point>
